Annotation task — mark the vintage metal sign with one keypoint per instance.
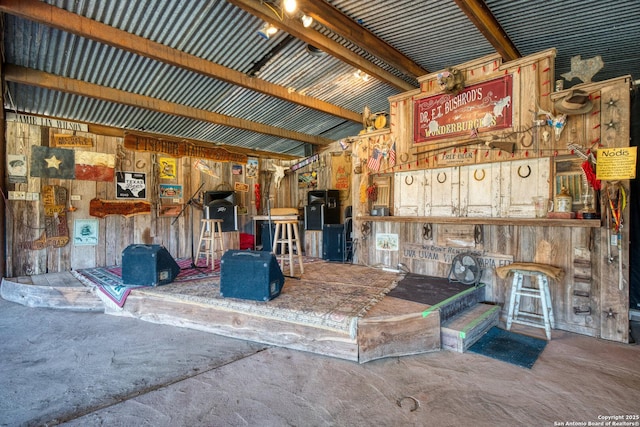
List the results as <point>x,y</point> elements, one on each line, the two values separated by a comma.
<point>482,107</point>
<point>445,254</point>
<point>181,149</point>
<point>72,141</point>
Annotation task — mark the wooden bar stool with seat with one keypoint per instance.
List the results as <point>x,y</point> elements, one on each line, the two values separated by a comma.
<point>286,234</point>
<point>538,273</point>
<point>211,243</point>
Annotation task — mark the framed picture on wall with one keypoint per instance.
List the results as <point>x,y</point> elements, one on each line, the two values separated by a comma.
<point>131,185</point>
<point>85,232</point>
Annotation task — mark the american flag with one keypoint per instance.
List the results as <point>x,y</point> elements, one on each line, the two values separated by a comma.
<point>392,155</point>
<point>374,161</point>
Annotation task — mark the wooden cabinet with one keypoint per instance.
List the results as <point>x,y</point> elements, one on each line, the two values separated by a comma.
<point>488,190</point>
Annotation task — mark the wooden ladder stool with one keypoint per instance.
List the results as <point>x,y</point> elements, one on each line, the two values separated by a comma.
<point>537,273</point>
<point>211,244</point>
<point>287,236</point>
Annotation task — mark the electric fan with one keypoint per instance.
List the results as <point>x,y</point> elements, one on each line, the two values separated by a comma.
<point>465,268</point>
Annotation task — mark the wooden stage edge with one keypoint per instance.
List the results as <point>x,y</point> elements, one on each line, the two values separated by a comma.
<point>393,327</point>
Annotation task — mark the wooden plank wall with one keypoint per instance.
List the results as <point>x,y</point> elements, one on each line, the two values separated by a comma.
<point>593,297</point>
<point>25,219</point>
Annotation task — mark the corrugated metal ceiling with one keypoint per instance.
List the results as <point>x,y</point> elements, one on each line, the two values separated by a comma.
<point>434,34</point>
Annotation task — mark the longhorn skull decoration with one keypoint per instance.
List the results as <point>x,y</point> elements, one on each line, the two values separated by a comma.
<point>556,122</point>
<point>278,174</point>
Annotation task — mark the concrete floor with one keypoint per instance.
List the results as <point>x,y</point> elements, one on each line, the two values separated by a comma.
<point>91,369</point>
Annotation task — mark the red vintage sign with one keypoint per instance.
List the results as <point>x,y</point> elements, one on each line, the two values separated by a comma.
<point>479,108</point>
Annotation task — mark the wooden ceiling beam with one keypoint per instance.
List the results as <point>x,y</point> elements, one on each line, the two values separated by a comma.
<point>343,25</point>
<point>478,13</point>
<point>27,76</point>
<point>61,19</point>
<point>319,41</point>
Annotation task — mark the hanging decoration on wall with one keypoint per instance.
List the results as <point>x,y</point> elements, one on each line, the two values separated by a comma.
<point>85,232</point>
<point>557,122</point>
<point>181,149</point>
<point>92,166</point>
<point>204,167</point>
<point>56,231</point>
<point>252,167</point>
<point>47,162</point>
<point>451,81</point>
<point>17,168</point>
<point>278,173</point>
<point>256,191</point>
<point>170,191</point>
<point>71,141</point>
<point>236,169</point>
<point>584,69</point>
<point>168,167</point>
<point>575,102</point>
<point>305,162</point>
<point>485,106</point>
<point>131,185</point>
<point>101,208</point>
<point>308,180</point>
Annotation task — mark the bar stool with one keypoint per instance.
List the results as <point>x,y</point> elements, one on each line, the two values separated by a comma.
<point>211,243</point>
<point>537,273</point>
<point>286,235</point>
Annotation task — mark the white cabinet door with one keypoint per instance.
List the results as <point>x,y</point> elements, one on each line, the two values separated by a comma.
<point>520,182</point>
<point>409,193</point>
<point>442,192</point>
<point>480,190</point>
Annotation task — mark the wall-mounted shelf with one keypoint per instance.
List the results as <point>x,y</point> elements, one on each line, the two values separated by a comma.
<point>533,222</point>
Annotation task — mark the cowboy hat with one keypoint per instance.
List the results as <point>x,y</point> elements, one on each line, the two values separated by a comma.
<point>574,102</point>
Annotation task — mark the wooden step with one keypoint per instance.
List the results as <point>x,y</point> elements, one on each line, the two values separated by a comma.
<point>460,302</point>
<point>462,331</point>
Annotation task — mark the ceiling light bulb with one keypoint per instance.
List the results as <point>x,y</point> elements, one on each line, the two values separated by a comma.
<point>365,77</point>
<point>271,30</point>
<point>267,31</point>
<point>290,6</point>
<point>357,74</point>
<point>306,21</point>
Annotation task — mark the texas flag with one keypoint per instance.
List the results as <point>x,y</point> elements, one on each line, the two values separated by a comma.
<point>92,166</point>
<point>47,162</point>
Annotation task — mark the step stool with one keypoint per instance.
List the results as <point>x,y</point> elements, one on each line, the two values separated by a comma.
<point>537,273</point>
<point>287,236</point>
<point>210,244</point>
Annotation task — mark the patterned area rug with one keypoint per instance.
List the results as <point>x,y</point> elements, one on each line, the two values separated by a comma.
<point>108,280</point>
<point>328,295</point>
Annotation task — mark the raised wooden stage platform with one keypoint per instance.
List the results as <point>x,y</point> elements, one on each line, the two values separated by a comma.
<point>387,326</point>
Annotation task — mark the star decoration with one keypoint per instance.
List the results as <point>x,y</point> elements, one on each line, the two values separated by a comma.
<point>611,103</point>
<point>610,314</point>
<point>611,125</point>
<point>53,162</point>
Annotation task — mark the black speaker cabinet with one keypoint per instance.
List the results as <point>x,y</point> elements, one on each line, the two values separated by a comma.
<point>252,275</point>
<point>148,265</point>
<point>222,209</point>
<point>323,208</point>
<point>227,196</point>
<point>266,236</point>
<point>333,242</point>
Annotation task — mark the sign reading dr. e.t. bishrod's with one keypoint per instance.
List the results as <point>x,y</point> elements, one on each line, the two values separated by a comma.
<point>482,107</point>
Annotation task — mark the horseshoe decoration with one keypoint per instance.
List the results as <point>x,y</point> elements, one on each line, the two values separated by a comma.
<point>404,157</point>
<point>140,164</point>
<point>407,181</point>
<point>528,172</point>
<point>443,179</point>
<point>475,176</point>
